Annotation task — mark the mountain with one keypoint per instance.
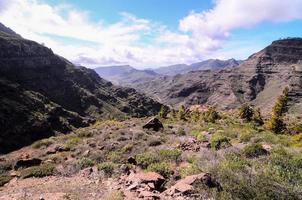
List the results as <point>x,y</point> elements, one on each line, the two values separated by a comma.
<point>42,93</point>
<point>125,75</point>
<point>211,64</point>
<point>258,80</point>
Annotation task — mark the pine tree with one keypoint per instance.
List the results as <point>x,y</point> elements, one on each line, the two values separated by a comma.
<point>246,112</point>
<point>257,118</point>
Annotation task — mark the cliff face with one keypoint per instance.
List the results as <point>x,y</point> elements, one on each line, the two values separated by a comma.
<point>258,80</point>
<point>41,93</point>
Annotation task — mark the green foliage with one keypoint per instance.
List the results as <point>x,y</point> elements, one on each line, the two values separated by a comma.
<point>45,142</point>
<point>85,162</point>
<point>164,111</point>
<point>4,179</point>
<point>257,118</point>
<point>172,155</point>
<point>189,170</point>
<point>276,123</point>
<point>116,156</point>
<point>182,113</point>
<point>181,131</point>
<point>38,171</point>
<point>254,150</point>
<point>197,134</point>
<point>84,134</point>
<point>107,168</point>
<point>219,141</point>
<point>195,115</point>
<point>211,115</point>
<point>72,142</point>
<point>146,159</point>
<point>246,112</point>
<point>163,168</point>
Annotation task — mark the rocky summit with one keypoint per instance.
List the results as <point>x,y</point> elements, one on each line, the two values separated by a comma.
<point>42,93</point>
<point>258,80</point>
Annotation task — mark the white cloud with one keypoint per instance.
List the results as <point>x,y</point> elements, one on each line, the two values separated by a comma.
<point>72,34</point>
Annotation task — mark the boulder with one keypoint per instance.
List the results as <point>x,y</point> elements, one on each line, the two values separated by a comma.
<point>149,179</point>
<point>154,124</point>
<point>25,163</point>
<point>187,185</point>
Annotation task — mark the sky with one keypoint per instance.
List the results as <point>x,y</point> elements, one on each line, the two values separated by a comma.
<point>152,33</point>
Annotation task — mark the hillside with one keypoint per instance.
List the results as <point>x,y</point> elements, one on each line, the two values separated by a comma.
<point>211,64</point>
<point>259,80</point>
<point>125,75</point>
<point>43,93</point>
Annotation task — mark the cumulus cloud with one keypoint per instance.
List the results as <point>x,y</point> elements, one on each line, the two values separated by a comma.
<point>71,33</point>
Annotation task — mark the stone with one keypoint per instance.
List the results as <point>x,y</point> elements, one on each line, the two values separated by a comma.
<point>25,163</point>
<point>147,195</point>
<point>154,124</point>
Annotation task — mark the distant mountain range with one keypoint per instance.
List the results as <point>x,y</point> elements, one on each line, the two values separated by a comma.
<point>42,94</point>
<point>127,75</point>
<point>258,80</point>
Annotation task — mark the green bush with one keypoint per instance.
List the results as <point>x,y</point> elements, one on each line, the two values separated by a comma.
<point>72,142</point>
<point>211,115</point>
<point>85,162</point>
<point>116,157</point>
<point>38,171</point>
<point>146,159</point>
<point>107,168</point>
<point>163,168</point>
<point>246,112</point>
<point>192,169</point>
<point>181,132</point>
<point>45,142</point>
<point>164,111</point>
<point>4,179</point>
<point>172,155</point>
<point>182,113</point>
<point>219,141</point>
<point>254,150</point>
<point>198,135</point>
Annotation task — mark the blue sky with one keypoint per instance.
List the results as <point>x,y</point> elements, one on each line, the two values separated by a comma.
<point>152,33</point>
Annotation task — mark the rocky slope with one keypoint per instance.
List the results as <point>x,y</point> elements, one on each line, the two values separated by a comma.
<point>259,80</point>
<point>42,93</point>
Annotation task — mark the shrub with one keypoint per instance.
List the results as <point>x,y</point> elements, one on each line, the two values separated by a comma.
<point>116,157</point>
<point>72,142</point>
<point>38,171</point>
<point>5,166</point>
<point>162,168</point>
<point>246,112</point>
<point>116,195</point>
<point>276,124</point>
<point>170,154</point>
<point>146,159</point>
<point>181,132</point>
<point>164,111</point>
<point>257,118</point>
<point>45,142</point>
<point>182,113</point>
<point>211,115</point>
<point>219,141</point>
<point>4,179</point>
<point>107,168</point>
<point>246,136</point>
<point>85,162</point>
<point>254,150</point>
<point>198,135</point>
<point>84,134</point>
<point>192,169</point>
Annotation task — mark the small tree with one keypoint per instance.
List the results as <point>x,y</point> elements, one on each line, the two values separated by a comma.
<point>164,110</point>
<point>182,113</point>
<point>257,118</point>
<point>246,112</point>
<point>276,123</point>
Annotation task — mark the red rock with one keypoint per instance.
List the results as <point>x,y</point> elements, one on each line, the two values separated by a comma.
<point>147,194</point>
